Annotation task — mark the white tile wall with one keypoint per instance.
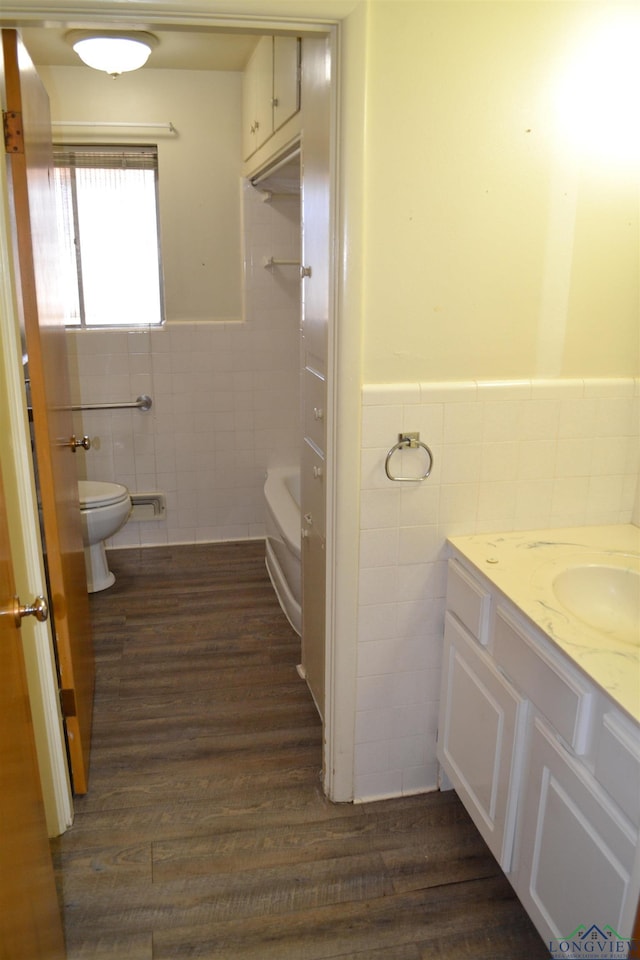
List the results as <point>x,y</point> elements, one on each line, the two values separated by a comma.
<point>225,398</point>
<point>511,455</point>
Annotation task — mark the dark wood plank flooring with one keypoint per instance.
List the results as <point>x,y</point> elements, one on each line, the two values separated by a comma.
<point>205,832</point>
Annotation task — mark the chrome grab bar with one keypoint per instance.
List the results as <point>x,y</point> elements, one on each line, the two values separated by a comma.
<point>410,441</point>
<point>141,403</point>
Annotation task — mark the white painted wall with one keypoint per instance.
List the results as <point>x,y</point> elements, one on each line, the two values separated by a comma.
<point>493,248</point>
<point>199,171</point>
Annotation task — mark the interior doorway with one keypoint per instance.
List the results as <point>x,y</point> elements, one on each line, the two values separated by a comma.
<point>209,28</point>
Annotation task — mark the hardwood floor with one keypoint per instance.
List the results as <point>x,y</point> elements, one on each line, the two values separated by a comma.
<point>205,832</point>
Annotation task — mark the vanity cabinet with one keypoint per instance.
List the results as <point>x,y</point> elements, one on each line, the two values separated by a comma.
<point>545,762</point>
<point>481,723</point>
<point>270,91</point>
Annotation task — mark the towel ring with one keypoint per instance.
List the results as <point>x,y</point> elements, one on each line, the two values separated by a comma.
<point>411,441</point>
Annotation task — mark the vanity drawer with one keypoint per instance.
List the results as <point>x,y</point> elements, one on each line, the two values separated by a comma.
<point>617,763</point>
<point>558,692</point>
<point>468,600</point>
<point>312,487</point>
<point>315,402</point>
<point>480,738</point>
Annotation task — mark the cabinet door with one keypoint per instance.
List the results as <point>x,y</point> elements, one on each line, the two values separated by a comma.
<point>314,396</point>
<point>576,850</point>
<point>480,738</point>
<point>257,96</point>
<point>312,492</point>
<point>314,561</point>
<point>249,94</point>
<point>316,253</point>
<point>263,58</point>
<point>286,79</point>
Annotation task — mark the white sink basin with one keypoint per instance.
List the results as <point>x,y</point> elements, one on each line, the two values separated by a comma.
<point>606,598</point>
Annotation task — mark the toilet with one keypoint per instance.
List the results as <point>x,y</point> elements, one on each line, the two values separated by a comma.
<point>105,508</point>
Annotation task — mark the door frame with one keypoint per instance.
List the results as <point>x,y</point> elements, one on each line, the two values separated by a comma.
<point>339,657</point>
<point>26,545</point>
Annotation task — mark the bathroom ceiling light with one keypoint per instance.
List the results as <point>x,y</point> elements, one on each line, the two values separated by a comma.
<point>111,51</point>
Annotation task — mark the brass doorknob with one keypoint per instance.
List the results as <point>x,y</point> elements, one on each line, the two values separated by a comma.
<point>38,609</point>
<point>74,443</point>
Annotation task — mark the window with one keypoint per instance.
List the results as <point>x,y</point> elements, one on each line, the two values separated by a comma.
<point>107,206</point>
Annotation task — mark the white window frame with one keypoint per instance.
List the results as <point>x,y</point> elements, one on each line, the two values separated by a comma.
<point>74,223</point>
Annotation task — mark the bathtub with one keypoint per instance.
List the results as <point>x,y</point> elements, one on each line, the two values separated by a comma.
<point>282,525</point>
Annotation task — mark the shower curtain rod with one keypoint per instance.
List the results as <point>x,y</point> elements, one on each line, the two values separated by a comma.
<point>273,168</point>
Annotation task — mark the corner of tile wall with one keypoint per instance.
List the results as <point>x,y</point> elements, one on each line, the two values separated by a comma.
<point>514,454</point>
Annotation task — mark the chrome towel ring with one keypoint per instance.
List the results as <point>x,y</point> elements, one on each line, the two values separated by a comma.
<point>410,441</point>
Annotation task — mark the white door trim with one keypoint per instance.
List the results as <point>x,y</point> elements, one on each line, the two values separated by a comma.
<point>24,531</point>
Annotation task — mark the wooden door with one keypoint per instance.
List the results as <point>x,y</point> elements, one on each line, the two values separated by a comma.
<point>30,923</point>
<point>35,237</point>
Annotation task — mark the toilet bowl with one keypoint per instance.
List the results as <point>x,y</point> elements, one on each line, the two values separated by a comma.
<point>104,508</point>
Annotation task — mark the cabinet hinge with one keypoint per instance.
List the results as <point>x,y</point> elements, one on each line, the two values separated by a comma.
<point>13,135</point>
<point>68,703</point>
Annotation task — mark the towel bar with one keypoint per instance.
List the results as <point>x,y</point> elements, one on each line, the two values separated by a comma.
<point>410,441</point>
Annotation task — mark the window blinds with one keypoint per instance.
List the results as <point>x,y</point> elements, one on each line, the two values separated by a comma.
<point>106,200</point>
<point>101,158</point>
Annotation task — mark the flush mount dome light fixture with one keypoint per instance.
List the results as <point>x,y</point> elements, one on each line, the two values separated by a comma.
<point>115,52</point>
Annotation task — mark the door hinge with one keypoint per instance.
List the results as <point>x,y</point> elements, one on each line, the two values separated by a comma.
<point>68,703</point>
<point>13,134</point>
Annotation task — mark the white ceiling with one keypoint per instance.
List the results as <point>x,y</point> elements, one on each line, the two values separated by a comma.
<point>176,50</point>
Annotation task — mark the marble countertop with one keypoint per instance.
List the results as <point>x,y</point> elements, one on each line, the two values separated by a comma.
<point>523,564</point>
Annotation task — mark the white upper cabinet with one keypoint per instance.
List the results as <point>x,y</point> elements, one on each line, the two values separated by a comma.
<point>271,90</point>
<point>257,97</point>
<point>286,79</point>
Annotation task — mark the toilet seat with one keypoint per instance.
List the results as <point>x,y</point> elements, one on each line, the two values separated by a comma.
<point>97,493</point>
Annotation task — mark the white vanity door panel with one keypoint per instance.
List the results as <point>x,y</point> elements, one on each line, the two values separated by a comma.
<point>617,763</point>
<point>468,600</point>
<point>576,853</point>
<point>479,740</point>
